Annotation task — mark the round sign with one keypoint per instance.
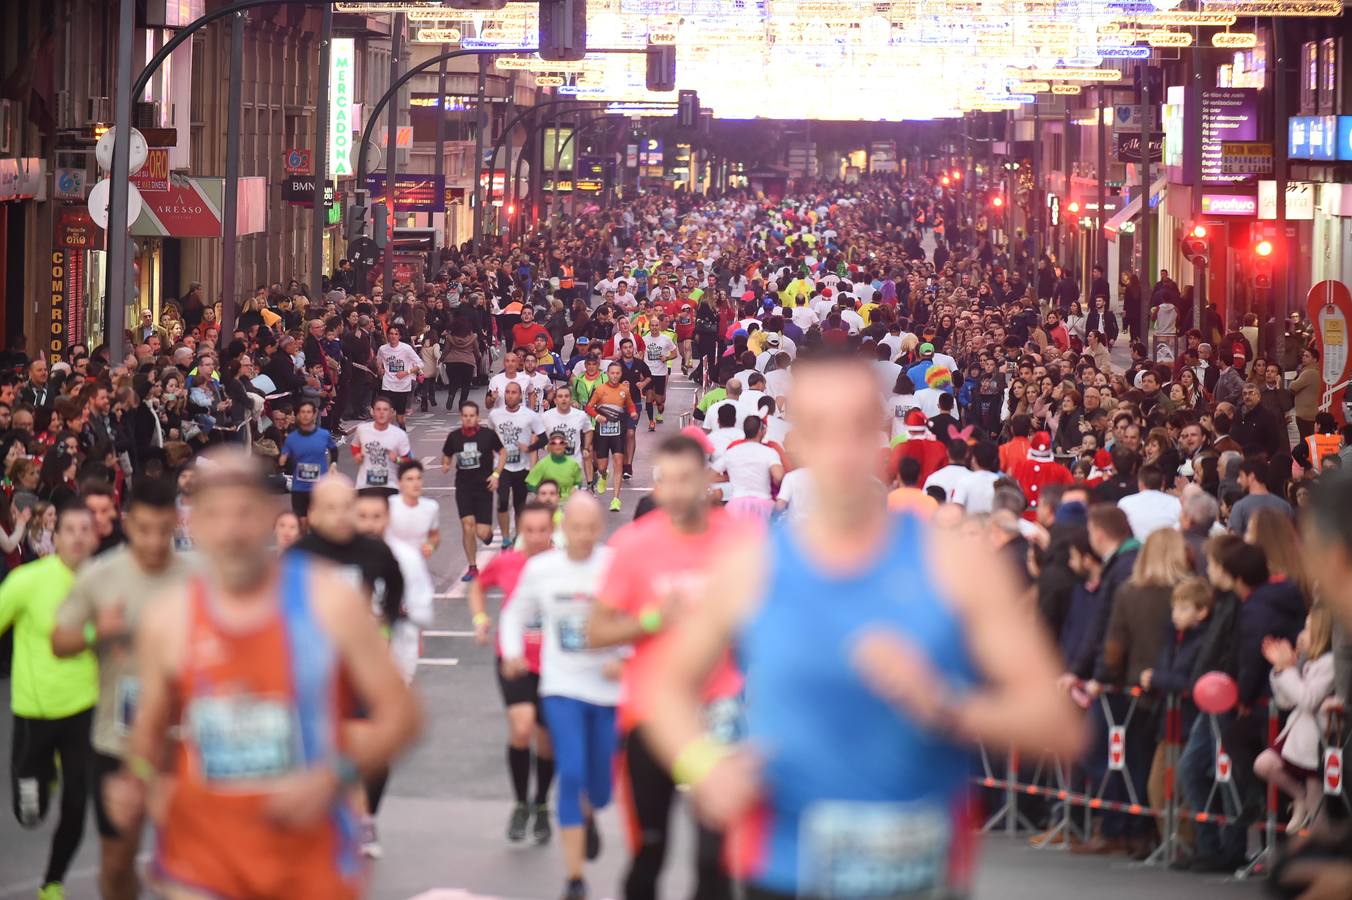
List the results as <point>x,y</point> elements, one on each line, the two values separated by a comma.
<point>363,252</point>
<point>295,159</point>
<point>103,151</point>
<point>374,156</point>
<point>98,203</point>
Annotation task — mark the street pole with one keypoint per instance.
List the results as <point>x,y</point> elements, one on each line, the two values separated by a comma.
<point>1279,295</point>
<point>480,126</point>
<point>391,142</point>
<point>1195,137</point>
<point>230,214</point>
<point>554,182</point>
<point>119,244</point>
<point>321,154</point>
<point>1101,243</point>
<point>439,164</point>
<point>1039,201</point>
<point>1143,232</point>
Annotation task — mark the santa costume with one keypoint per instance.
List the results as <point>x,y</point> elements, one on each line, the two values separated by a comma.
<point>1038,470</point>
<point>921,445</point>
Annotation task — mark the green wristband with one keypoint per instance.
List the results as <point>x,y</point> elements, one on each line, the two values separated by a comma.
<point>650,620</point>
<point>91,634</point>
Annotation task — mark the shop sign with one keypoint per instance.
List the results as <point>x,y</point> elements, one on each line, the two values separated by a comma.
<point>1329,305</point>
<point>1345,138</point>
<point>1246,158</point>
<point>1129,147</point>
<point>299,161</point>
<point>191,208</point>
<point>154,174</point>
<point>1312,137</point>
<point>57,331</point>
<point>1228,115</point>
<point>70,184</point>
<point>342,81</point>
<point>21,179</point>
<point>300,190</point>
<point>412,192</point>
<point>76,229</point>
<point>1300,200</point>
<point>1229,204</point>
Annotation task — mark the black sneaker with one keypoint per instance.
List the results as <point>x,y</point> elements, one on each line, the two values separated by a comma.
<point>542,831</point>
<point>593,839</point>
<point>516,827</point>
<point>575,889</point>
<point>628,473</point>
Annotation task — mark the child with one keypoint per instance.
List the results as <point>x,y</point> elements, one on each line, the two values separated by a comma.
<point>1293,762</point>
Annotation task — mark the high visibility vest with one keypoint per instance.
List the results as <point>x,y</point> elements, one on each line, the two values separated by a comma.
<point>566,278</point>
<point>1322,445</point>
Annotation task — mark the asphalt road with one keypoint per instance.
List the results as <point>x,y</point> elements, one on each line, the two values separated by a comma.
<point>445,812</point>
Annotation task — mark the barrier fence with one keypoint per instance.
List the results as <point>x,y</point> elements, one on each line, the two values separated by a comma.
<point>1063,789</point>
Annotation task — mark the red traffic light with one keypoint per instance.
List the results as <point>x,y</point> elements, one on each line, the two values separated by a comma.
<point>944,181</point>
<point>1199,231</point>
<point>1263,248</point>
<point>1073,207</point>
<point>957,174</point>
<point>997,201</point>
<point>511,209</point>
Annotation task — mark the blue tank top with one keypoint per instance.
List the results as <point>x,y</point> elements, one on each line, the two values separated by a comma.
<point>859,801</point>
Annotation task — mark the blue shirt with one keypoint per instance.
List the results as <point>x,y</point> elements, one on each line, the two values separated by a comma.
<point>308,457</point>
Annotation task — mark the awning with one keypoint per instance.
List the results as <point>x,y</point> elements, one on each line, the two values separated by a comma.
<point>1132,209</point>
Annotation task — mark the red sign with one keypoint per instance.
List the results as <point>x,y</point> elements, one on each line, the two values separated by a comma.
<point>1330,307</point>
<point>1333,771</point>
<point>1117,748</point>
<point>154,175</point>
<point>299,162</point>
<point>76,229</point>
<point>183,212</point>
<point>1224,771</point>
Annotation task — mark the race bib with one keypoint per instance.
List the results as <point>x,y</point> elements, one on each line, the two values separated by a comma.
<point>377,477</point>
<point>725,719</point>
<point>610,429</point>
<point>654,353</point>
<point>468,458</point>
<point>857,849</point>
<point>573,632</point>
<point>513,454</point>
<point>241,738</point>
<point>307,471</point>
<point>127,692</point>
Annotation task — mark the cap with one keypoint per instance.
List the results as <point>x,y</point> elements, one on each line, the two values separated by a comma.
<point>772,340</point>
<point>583,340</point>
<point>1103,460</point>
<point>927,349</point>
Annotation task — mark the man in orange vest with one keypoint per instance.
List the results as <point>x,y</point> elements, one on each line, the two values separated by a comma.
<point>1325,442</point>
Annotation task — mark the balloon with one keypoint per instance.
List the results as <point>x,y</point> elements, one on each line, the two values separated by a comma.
<point>1215,693</point>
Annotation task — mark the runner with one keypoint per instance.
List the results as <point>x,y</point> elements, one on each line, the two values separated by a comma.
<point>52,698</point>
<point>516,427</point>
<point>661,350</point>
<point>520,695</point>
<point>612,407</point>
<point>574,424</point>
<point>307,452</point>
<point>639,378</point>
<point>259,768</point>
<point>102,612</point>
<point>511,374</point>
<point>855,785</point>
<point>379,446</point>
<point>659,567</point>
<point>579,686</point>
<point>558,467</point>
<point>415,520</point>
<point>475,451</point>
<point>398,365</point>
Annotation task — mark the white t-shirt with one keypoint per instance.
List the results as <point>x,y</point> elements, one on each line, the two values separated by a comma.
<point>749,404</point>
<point>720,438</point>
<point>656,352</point>
<point>498,385</point>
<point>928,401</point>
<point>539,382</point>
<point>798,492</point>
<point>747,466</point>
<point>776,429</point>
<point>711,414</point>
<point>977,493</point>
<point>1149,511</point>
<point>888,372</point>
<point>778,382</point>
<point>852,320</point>
<point>574,425</point>
<point>418,592</point>
<point>515,428</point>
<point>397,360</point>
<point>805,317</point>
<point>412,524</point>
<point>560,593</point>
<point>952,478</point>
<point>377,468</point>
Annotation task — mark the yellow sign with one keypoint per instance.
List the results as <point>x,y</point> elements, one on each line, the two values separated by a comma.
<point>1066,74</point>
<point>438,36</point>
<point>1234,40</point>
<point>548,80</point>
<point>1169,39</point>
<point>1334,332</point>
<point>1066,90</point>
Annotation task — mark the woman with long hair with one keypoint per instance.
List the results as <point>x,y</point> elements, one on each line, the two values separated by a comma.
<point>460,356</point>
<point>41,531</point>
<point>1277,535</point>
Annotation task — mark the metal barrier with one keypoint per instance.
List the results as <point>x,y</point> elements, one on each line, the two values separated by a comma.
<point>1051,779</point>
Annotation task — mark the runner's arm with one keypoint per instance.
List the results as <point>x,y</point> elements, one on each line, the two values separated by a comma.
<point>73,617</point>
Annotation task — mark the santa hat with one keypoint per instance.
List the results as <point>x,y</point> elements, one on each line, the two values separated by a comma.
<point>1103,466</point>
<point>916,424</point>
<point>826,292</point>
<point>937,376</point>
<point>1041,449</point>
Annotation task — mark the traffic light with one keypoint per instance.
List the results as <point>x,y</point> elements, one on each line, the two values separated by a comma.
<point>380,218</point>
<point>1262,264</point>
<point>945,180</point>
<point>511,210</point>
<point>1073,207</point>
<point>563,29</point>
<point>1196,249</point>
<point>998,201</point>
<point>662,67</point>
<point>957,174</point>
<point>687,109</point>
<point>358,217</point>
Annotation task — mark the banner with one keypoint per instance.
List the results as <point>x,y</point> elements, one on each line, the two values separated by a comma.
<point>412,192</point>
<point>1128,147</point>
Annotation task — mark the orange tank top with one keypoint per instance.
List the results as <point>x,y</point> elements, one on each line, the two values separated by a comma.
<point>256,706</point>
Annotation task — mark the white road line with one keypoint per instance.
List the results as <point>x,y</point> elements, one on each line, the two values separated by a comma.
<point>438,661</point>
<point>447,634</point>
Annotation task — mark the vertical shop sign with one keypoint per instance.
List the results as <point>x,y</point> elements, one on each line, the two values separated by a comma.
<point>342,63</point>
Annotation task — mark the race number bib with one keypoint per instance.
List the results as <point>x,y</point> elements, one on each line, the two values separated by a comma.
<point>377,477</point>
<point>654,353</point>
<point>857,849</point>
<point>468,458</point>
<point>610,429</point>
<point>307,471</point>
<point>513,454</point>
<point>125,696</point>
<point>572,628</point>
<point>725,719</point>
<point>241,738</point>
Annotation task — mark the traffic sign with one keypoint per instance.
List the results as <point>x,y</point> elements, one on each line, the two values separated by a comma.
<point>363,252</point>
<point>299,162</point>
<point>103,151</point>
<point>70,184</point>
<point>98,203</point>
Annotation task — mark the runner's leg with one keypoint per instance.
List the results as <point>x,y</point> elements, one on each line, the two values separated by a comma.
<point>72,743</point>
<point>648,790</point>
<point>567,726</point>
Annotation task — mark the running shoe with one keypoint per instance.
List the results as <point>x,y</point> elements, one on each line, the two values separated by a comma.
<point>54,891</point>
<point>575,889</point>
<point>470,574</point>
<point>628,473</point>
<point>593,839</point>
<point>507,543</point>
<point>600,484</point>
<point>370,841</point>
<point>542,831</point>
<point>659,418</point>
<point>615,505</point>
<point>516,826</point>
<point>652,426</point>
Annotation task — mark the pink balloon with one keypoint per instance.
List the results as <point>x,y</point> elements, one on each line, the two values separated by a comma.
<point>1215,693</point>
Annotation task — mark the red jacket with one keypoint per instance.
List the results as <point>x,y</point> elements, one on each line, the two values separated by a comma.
<point>1034,475</point>
<point>932,456</point>
<point>523,336</point>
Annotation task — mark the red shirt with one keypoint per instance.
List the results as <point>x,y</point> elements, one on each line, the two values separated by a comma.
<point>612,347</point>
<point>504,571</point>
<point>932,456</point>
<point>652,562</point>
<point>524,335</point>
<point>1033,475</point>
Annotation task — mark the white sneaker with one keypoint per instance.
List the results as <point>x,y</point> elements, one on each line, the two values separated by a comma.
<point>370,842</point>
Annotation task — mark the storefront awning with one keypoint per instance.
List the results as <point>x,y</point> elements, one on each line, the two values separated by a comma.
<point>191,208</point>
<point>1132,209</point>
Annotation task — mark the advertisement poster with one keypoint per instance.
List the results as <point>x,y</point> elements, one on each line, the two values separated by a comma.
<point>1329,304</point>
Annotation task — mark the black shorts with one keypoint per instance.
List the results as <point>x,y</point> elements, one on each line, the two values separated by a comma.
<point>300,503</point>
<point>512,485</point>
<point>399,400</point>
<point>605,446</point>
<point>474,504</point>
<point>105,767</point>
<point>522,689</point>
<point>659,385</point>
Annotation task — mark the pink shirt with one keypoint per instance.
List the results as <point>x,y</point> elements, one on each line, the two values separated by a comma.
<point>504,571</point>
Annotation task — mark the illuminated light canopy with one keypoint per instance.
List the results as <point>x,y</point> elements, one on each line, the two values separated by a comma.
<point>1067,74</point>
<point>1066,90</point>
<point>1234,40</point>
<point>1281,7</point>
<point>1186,18</point>
<point>549,80</point>
<point>1030,87</point>
<point>437,36</point>
<point>1169,39</point>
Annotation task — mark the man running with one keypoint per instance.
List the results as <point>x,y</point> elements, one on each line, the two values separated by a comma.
<point>52,698</point>
<point>398,365</point>
<point>659,353</point>
<point>248,663</point>
<point>415,520</point>
<point>379,446</point>
<point>659,567</point>
<point>556,466</point>
<point>639,378</point>
<point>861,759</point>
<point>611,424</point>
<point>307,452</point>
<point>516,426</point>
<point>579,686</point>
<point>103,611</point>
<point>475,451</point>
<point>521,694</point>
<point>574,424</point>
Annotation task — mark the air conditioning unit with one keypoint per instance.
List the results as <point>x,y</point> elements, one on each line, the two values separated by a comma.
<point>146,114</point>
<point>6,125</point>
<point>97,109</point>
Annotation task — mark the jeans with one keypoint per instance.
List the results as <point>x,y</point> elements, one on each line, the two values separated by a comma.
<point>584,742</point>
<point>1196,770</point>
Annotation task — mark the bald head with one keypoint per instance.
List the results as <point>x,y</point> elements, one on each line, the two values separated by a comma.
<point>582,525</point>
<point>734,387</point>
<point>331,507</point>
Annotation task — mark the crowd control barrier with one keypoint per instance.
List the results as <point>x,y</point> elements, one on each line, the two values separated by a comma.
<point>1071,798</point>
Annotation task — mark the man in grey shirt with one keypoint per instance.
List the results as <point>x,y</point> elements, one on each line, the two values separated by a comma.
<point>1253,474</point>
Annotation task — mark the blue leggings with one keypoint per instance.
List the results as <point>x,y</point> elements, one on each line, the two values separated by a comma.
<point>584,745</point>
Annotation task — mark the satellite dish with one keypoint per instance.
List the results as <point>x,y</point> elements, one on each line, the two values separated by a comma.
<point>98,203</point>
<point>103,151</point>
<point>374,157</point>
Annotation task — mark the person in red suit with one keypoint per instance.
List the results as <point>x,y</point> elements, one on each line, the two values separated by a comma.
<point>1037,470</point>
<point>921,445</point>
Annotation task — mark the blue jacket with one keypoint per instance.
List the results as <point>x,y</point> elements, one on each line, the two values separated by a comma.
<point>1116,571</point>
<point>1275,609</point>
<point>1173,673</point>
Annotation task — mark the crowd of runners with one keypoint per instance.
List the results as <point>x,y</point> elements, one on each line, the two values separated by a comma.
<point>913,494</point>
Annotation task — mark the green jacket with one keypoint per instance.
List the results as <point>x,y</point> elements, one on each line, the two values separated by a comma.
<point>44,686</point>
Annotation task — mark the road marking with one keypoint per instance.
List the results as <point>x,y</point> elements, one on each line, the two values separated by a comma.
<point>437,661</point>
<point>448,634</point>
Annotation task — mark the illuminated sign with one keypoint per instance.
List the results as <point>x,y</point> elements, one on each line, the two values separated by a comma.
<point>548,80</point>
<point>1234,40</point>
<point>1313,137</point>
<point>1345,137</point>
<point>1067,74</point>
<point>1066,90</point>
<point>438,36</point>
<point>1229,204</point>
<point>1169,39</point>
<point>342,82</point>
